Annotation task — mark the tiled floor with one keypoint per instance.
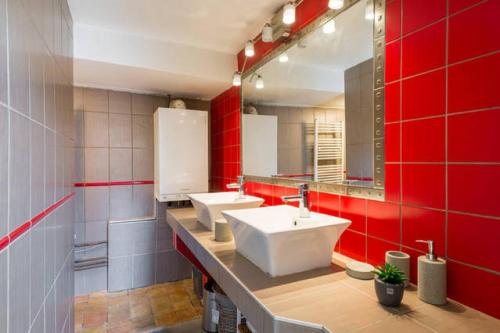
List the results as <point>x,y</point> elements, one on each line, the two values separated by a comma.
<point>137,310</point>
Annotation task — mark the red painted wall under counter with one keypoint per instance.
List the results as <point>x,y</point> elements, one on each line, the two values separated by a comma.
<point>443,162</point>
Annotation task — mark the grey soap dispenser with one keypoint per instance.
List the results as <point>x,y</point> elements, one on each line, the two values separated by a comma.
<point>431,276</point>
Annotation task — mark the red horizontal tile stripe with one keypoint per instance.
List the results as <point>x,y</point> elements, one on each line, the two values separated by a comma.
<point>19,231</point>
<point>138,182</point>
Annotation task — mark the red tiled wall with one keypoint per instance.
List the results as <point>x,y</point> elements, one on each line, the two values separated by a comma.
<point>225,138</point>
<point>442,154</point>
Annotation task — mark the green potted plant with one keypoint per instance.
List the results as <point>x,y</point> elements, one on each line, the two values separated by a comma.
<point>389,284</point>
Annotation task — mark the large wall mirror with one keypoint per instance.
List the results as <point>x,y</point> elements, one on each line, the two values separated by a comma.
<point>313,110</point>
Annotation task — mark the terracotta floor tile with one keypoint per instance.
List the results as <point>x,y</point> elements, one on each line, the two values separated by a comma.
<point>94,319</point>
<point>137,310</point>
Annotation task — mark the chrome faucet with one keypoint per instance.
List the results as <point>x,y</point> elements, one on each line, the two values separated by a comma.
<point>302,198</point>
<point>240,185</point>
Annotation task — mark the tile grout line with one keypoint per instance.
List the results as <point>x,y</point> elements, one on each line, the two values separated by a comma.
<point>446,124</point>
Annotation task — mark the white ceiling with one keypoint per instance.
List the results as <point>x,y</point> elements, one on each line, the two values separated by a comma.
<point>314,73</point>
<point>183,47</point>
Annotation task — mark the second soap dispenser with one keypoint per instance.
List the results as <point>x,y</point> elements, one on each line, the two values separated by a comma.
<point>431,276</point>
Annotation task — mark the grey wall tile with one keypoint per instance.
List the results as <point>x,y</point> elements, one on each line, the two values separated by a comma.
<point>36,80</point>
<point>184,267</point>
<point>96,279</point>
<point>37,268</point>
<point>19,279</point>
<point>96,165</point>
<point>39,322</point>
<point>19,211</point>
<point>79,201</point>
<point>96,203</point>
<point>50,167</point>
<point>163,237</point>
<point>120,273</point>
<point>3,51</point>
<point>79,232</point>
<point>143,164</point>
<point>79,129</point>
<point>96,129</point>
<point>166,266</point>
<point>120,102</point>
<point>96,231</point>
<point>121,239</point>
<point>144,270</point>
<point>120,202</point>
<point>142,131</point>
<point>49,87</point>
<point>143,104</point>
<point>4,148</point>
<point>143,200</point>
<point>50,250</point>
<point>19,35</point>
<point>50,311</point>
<point>4,273</point>
<point>77,96</point>
<point>120,164</point>
<point>144,237</point>
<point>95,100</point>
<point>37,163</point>
<point>120,130</point>
<point>79,167</point>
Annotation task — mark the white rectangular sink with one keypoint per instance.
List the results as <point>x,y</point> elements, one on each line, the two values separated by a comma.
<point>208,206</point>
<point>280,243</point>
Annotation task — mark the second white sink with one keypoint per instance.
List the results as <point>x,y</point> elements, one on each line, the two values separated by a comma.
<point>208,206</point>
<point>280,243</point>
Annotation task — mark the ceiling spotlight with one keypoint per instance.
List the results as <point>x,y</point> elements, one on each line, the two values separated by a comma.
<point>289,13</point>
<point>369,10</point>
<point>237,79</point>
<point>259,83</point>
<point>249,49</point>
<point>267,33</point>
<point>335,4</point>
<point>283,58</point>
<point>329,27</point>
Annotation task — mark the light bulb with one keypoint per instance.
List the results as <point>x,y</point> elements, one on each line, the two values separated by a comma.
<point>259,84</point>
<point>289,13</point>
<point>335,4</point>
<point>267,33</point>
<point>249,49</point>
<point>329,27</point>
<point>237,79</point>
<point>283,57</point>
<point>369,14</point>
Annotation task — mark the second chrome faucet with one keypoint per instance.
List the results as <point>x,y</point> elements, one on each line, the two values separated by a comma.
<point>240,185</point>
<point>302,198</point>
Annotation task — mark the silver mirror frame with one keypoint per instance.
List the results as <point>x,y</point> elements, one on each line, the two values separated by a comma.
<point>377,191</point>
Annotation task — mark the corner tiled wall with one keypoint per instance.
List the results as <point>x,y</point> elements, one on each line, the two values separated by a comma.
<point>114,168</point>
<point>141,253</point>
<point>442,160</point>
<point>36,166</point>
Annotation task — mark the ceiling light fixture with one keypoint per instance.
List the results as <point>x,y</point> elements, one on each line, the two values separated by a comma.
<point>249,49</point>
<point>369,11</point>
<point>283,57</point>
<point>259,83</point>
<point>329,27</point>
<point>289,13</point>
<point>335,4</point>
<point>267,33</point>
<point>237,79</point>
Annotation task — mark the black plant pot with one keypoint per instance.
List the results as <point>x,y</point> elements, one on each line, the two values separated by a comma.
<point>389,294</point>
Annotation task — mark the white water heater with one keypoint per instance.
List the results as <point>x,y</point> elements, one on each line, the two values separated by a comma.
<point>181,153</point>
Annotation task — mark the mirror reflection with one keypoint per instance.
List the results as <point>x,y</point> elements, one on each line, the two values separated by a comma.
<point>308,113</point>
